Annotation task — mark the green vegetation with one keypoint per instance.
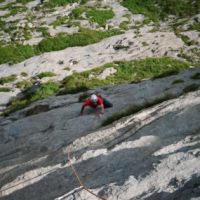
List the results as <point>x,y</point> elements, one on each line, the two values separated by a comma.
<point>67,69</point>
<point>24,74</point>
<point>23,1</point>
<point>145,43</point>
<point>196,76</point>
<point>124,25</point>
<point>160,9</point>
<point>17,53</point>
<point>53,3</point>
<point>45,90</point>
<point>46,74</point>
<point>24,84</point>
<point>187,40</point>
<point>8,79</point>
<point>77,12</point>
<point>167,73</point>
<point>100,16</point>
<point>59,21</point>
<point>127,71</point>
<point>5,89</point>
<point>136,108</point>
<point>146,7</point>
<point>195,26</point>
<point>44,31</point>
<point>177,81</point>
<point>84,37</point>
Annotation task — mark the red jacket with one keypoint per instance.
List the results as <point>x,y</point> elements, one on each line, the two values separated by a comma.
<point>90,103</point>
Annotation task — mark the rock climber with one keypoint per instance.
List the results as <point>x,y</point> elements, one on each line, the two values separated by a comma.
<point>96,101</point>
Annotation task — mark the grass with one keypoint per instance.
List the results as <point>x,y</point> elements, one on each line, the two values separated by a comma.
<point>5,89</point>
<point>46,74</point>
<point>45,90</point>
<point>8,79</point>
<point>127,71</point>
<point>24,74</point>
<point>135,108</point>
<point>160,9</point>
<point>54,3</point>
<point>100,16</point>
<point>17,53</point>
<point>187,40</point>
<point>146,7</point>
<point>24,84</point>
<point>145,44</point>
<point>167,73</point>
<point>60,20</point>
<point>124,25</point>
<point>77,12</point>
<point>62,41</point>
<point>195,26</point>
<point>44,31</point>
<point>23,1</point>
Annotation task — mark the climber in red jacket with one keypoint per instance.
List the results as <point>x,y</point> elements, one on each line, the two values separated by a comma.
<point>94,101</point>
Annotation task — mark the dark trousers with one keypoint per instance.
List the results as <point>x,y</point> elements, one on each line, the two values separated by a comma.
<point>106,103</point>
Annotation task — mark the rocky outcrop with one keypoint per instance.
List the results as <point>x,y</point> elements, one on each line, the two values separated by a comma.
<point>153,154</point>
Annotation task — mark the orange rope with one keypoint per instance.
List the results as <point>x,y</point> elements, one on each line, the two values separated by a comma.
<point>79,180</point>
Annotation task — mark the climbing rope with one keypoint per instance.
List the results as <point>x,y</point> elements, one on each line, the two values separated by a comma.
<point>78,178</point>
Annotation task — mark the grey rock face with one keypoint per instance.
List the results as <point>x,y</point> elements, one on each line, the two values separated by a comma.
<point>153,154</point>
